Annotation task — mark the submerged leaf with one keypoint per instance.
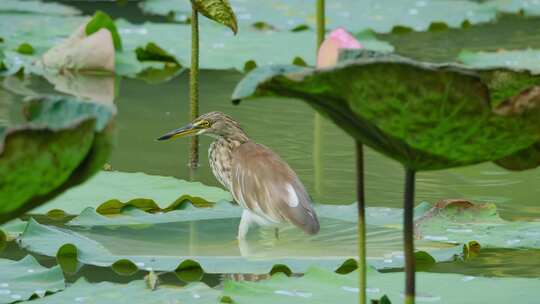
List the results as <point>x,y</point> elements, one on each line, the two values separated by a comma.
<point>217,10</point>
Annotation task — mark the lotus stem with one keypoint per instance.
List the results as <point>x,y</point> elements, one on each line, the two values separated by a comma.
<point>320,23</point>
<point>317,119</point>
<point>360,198</point>
<point>194,85</point>
<point>408,232</point>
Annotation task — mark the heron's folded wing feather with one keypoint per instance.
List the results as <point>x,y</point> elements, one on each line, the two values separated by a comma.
<point>266,185</point>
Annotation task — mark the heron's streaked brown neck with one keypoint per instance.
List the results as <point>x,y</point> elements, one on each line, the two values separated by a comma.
<point>220,152</point>
<point>231,131</point>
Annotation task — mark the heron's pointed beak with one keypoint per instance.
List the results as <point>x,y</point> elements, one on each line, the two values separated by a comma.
<point>181,132</point>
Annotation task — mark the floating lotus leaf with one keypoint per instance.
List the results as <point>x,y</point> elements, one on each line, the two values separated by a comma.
<point>381,16</point>
<point>527,7</point>
<point>322,286</point>
<point>517,59</point>
<point>464,222</point>
<point>207,236</point>
<point>162,241</point>
<point>134,292</point>
<point>19,280</point>
<point>426,116</point>
<point>61,143</point>
<point>219,48</point>
<point>36,7</point>
<point>109,192</point>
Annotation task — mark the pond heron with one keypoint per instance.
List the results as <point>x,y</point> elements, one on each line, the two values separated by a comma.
<point>259,180</point>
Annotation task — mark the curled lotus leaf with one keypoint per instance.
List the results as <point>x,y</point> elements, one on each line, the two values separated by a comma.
<point>426,116</point>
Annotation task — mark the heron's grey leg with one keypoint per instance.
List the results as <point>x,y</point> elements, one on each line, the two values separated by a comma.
<point>245,222</point>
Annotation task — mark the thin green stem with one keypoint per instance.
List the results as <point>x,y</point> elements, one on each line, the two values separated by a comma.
<point>320,23</point>
<point>360,198</point>
<point>194,85</point>
<point>317,144</point>
<point>408,232</point>
<point>317,121</point>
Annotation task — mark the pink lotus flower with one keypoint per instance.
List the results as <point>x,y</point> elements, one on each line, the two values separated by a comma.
<point>336,40</point>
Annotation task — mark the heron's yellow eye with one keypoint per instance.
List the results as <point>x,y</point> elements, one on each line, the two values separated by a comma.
<point>204,124</point>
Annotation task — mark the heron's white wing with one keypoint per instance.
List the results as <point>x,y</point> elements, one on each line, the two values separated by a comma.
<point>267,186</point>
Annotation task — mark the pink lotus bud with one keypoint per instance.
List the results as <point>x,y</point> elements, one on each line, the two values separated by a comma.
<point>336,40</point>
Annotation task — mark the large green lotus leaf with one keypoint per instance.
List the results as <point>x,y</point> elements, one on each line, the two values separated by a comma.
<point>322,286</point>
<point>510,32</point>
<point>211,242</point>
<point>527,7</point>
<point>18,28</point>
<point>90,217</point>
<point>134,292</point>
<point>62,142</point>
<point>455,221</point>
<point>219,48</point>
<point>434,223</point>
<point>381,16</point>
<point>481,223</point>
<point>427,116</point>
<point>19,280</point>
<point>516,59</point>
<point>36,7</point>
<point>110,191</point>
<point>376,216</point>
<point>452,223</point>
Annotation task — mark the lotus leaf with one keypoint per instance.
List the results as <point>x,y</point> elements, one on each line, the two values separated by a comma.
<point>381,16</point>
<point>516,59</point>
<point>133,293</point>
<point>219,48</point>
<point>111,191</point>
<point>457,222</point>
<point>210,241</point>
<point>527,7</point>
<point>322,286</point>
<point>427,116</point>
<point>510,32</point>
<point>62,143</point>
<point>36,7</point>
<point>19,280</point>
